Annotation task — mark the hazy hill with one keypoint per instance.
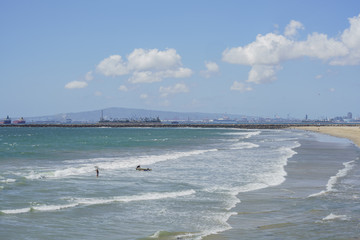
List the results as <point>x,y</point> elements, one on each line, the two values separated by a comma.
<point>122,113</point>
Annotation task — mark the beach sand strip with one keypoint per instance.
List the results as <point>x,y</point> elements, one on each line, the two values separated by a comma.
<point>349,132</point>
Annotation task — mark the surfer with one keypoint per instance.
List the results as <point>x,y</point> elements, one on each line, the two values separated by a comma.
<point>138,167</point>
<point>97,172</point>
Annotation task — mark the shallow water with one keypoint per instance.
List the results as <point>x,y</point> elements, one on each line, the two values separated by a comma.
<point>203,182</point>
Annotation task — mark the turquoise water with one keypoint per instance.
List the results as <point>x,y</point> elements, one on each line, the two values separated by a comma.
<point>199,178</point>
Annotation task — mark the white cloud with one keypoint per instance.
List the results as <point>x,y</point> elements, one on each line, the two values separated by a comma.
<point>141,59</point>
<point>144,77</point>
<point>145,66</point>
<point>351,38</point>
<point>123,88</point>
<point>260,74</point>
<point>89,76</point>
<point>238,86</point>
<point>76,84</point>
<point>211,68</point>
<point>319,46</point>
<point>268,51</point>
<point>112,66</point>
<point>178,88</point>
<point>263,73</point>
<point>292,28</point>
<point>319,76</point>
<point>332,89</point>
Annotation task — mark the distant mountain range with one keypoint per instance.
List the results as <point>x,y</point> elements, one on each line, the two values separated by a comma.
<point>128,113</point>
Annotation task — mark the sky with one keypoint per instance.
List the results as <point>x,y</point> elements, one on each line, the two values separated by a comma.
<point>252,57</point>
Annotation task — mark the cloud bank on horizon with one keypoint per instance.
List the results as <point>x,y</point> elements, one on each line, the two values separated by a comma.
<point>264,56</point>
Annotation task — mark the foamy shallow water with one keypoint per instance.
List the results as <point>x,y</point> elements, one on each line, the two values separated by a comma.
<point>197,183</point>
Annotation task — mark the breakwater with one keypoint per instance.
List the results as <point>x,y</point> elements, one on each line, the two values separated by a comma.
<point>163,125</point>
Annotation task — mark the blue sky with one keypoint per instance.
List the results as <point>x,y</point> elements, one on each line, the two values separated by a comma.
<point>258,58</point>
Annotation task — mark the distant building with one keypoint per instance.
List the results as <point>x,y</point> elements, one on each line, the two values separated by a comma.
<point>349,115</point>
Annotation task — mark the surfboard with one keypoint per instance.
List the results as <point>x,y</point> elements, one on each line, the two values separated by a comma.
<point>143,169</point>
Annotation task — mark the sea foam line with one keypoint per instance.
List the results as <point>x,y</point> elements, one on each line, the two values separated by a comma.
<point>333,180</point>
<point>243,134</point>
<point>243,145</point>
<point>80,167</point>
<point>275,174</point>
<point>332,216</point>
<point>97,201</point>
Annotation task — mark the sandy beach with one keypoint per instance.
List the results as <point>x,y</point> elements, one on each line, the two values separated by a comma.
<point>352,133</point>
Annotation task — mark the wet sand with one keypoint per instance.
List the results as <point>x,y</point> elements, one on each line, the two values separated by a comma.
<point>352,133</point>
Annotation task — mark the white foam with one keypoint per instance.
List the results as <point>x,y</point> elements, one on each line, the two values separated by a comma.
<point>243,145</point>
<point>221,224</point>
<point>332,216</point>
<point>333,179</point>
<point>275,173</point>
<point>142,197</point>
<point>16,211</point>
<point>231,196</point>
<point>83,167</point>
<point>9,180</point>
<point>243,134</point>
<point>95,201</point>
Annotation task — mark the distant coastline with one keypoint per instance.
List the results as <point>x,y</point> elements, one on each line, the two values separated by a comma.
<point>179,125</point>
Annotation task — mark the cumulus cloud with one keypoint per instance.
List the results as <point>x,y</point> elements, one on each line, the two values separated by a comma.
<point>351,39</point>
<point>89,76</point>
<point>145,66</point>
<point>76,84</point>
<point>141,59</point>
<point>292,28</point>
<point>112,66</point>
<point>178,88</point>
<point>211,68</point>
<point>268,51</point>
<point>263,73</point>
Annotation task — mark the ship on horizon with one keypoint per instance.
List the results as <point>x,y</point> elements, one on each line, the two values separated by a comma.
<point>20,121</point>
<point>7,120</point>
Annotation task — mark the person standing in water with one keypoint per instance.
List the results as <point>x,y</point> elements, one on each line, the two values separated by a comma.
<point>97,172</point>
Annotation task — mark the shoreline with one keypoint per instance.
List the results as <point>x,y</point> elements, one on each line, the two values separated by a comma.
<point>300,168</point>
<point>350,132</point>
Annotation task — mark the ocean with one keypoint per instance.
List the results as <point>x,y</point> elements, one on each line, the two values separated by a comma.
<point>203,184</point>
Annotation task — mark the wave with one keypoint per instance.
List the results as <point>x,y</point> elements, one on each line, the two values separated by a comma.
<point>334,179</point>
<point>219,224</point>
<point>97,201</point>
<point>243,134</point>
<point>82,167</point>
<point>332,217</point>
<point>243,145</point>
<point>274,174</point>
<point>9,180</point>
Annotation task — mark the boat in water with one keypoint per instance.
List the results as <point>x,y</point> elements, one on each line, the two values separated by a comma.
<point>20,121</point>
<point>7,120</point>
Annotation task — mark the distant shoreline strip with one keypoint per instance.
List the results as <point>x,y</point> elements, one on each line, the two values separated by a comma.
<point>161,125</point>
